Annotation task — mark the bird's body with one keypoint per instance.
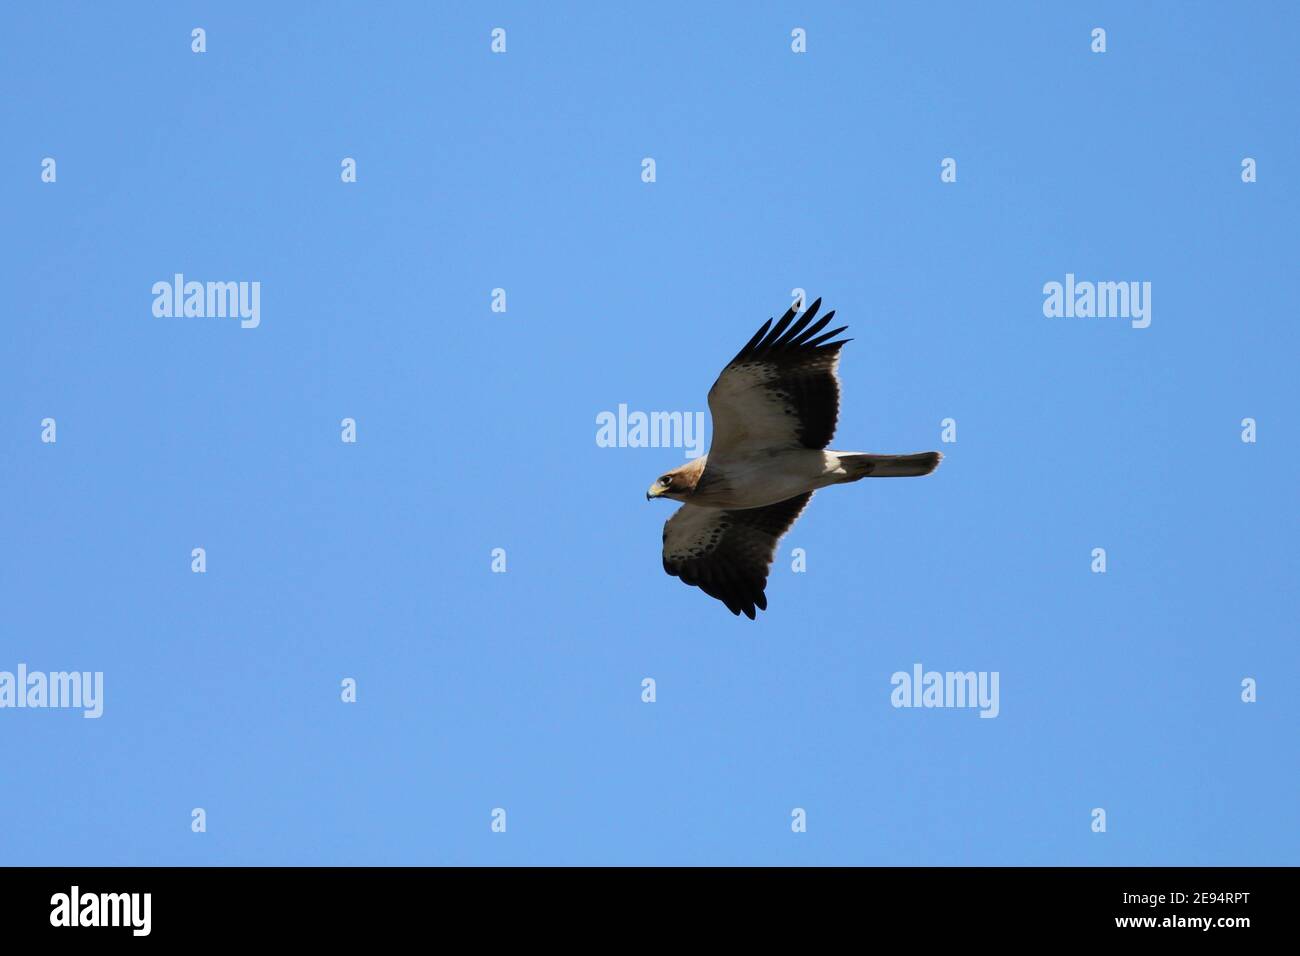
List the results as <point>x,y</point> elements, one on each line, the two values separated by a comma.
<point>774,411</point>
<point>765,478</point>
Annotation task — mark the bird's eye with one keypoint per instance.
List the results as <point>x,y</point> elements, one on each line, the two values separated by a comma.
<point>665,481</point>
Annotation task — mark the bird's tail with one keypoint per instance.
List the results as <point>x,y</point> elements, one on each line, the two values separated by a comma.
<point>888,466</point>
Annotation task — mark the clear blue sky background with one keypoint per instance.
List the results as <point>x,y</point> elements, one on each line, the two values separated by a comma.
<point>477,431</point>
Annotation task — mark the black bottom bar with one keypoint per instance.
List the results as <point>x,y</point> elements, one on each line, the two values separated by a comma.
<point>335,905</point>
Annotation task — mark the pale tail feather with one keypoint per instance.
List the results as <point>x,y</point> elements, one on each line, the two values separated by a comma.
<point>889,466</point>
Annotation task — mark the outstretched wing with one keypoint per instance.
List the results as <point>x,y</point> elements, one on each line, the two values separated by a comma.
<point>780,391</point>
<point>727,553</point>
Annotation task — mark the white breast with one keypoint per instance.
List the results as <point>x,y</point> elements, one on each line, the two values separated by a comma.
<point>765,479</point>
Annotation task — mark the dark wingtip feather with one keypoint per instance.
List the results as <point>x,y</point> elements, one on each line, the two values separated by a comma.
<point>755,340</point>
<point>783,336</point>
<point>813,329</point>
<point>812,343</point>
<point>795,329</point>
<point>774,336</point>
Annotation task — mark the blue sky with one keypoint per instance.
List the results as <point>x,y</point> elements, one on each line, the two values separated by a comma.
<point>476,430</point>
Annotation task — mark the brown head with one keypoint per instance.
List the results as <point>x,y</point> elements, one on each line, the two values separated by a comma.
<point>679,483</point>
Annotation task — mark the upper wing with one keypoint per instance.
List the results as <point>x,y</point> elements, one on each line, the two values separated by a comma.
<point>780,391</point>
<point>727,553</point>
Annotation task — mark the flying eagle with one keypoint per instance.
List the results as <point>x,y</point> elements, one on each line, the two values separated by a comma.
<point>774,411</point>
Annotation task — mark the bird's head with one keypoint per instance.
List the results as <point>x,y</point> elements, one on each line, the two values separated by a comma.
<point>678,483</point>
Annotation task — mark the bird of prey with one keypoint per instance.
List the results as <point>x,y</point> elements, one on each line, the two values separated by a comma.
<point>774,411</point>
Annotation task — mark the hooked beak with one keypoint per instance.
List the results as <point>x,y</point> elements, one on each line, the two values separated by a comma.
<point>655,491</point>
